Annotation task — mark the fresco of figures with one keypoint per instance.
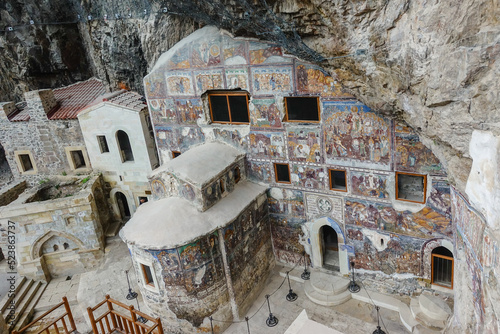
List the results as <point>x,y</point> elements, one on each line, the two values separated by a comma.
<point>206,80</point>
<point>413,156</point>
<point>312,79</point>
<point>265,114</point>
<point>267,145</point>
<point>304,144</point>
<point>308,176</point>
<point>237,78</point>
<point>206,53</point>
<point>189,110</point>
<point>286,202</point>
<point>369,184</point>
<point>352,132</point>
<point>234,52</point>
<point>264,54</point>
<point>260,171</point>
<point>163,111</point>
<point>179,83</point>
<point>270,80</point>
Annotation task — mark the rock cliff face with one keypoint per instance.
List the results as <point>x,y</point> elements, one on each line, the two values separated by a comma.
<point>432,63</point>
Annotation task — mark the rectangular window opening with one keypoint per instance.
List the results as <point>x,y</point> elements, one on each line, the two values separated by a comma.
<point>229,107</point>
<point>148,275</point>
<point>142,200</point>
<point>103,144</point>
<point>411,187</point>
<point>78,159</point>
<point>26,163</point>
<point>338,180</point>
<point>175,154</point>
<point>302,109</point>
<point>282,173</point>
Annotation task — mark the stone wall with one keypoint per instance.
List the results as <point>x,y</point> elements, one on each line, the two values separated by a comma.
<point>12,193</point>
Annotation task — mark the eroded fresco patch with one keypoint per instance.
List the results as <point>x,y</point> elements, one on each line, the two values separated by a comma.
<point>312,79</point>
<point>260,170</point>
<point>265,113</point>
<point>154,86</point>
<point>232,137</point>
<point>237,78</point>
<point>180,58</point>
<point>411,155</point>
<point>269,80</point>
<point>264,53</point>
<point>476,272</point>
<point>179,83</point>
<point>353,132</point>
<point>267,145</point>
<point>168,137</point>
<point>163,111</point>
<point>304,144</point>
<point>378,216</point>
<point>286,202</point>
<point>440,199</point>
<point>206,80</point>
<point>369,184</point>
<point>234,51</point>
<point>189,110</point>
<point>308,176</point>
<point>190,136</point>
<point>206,53</point>
<point>198,252</point>
<point>285,233</point>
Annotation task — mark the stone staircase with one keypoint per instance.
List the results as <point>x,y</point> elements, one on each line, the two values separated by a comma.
<point>18,309</point>
<point>327,290</point>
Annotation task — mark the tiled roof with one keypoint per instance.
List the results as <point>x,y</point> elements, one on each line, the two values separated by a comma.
<point>72,99</point>
<point>21,114</point>
<point>122,98</point>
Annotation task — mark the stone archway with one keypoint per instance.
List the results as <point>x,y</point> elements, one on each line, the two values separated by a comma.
<point>317,231</point>
<point>37,248</point>
<point>122,204</point>
<point>427,249</point>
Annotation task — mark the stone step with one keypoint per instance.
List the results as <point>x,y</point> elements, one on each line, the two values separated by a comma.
<point>328,284</point>
<point>434,307</point>
<point>326,300</point>
<point>30,309</point>
<point>424,319</point>
<point>16,301</point>
<point>23,303</point>
<point>6,300</point>
<point>113,229</point>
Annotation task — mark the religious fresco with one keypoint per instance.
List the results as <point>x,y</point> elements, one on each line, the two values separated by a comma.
<point>265,114</point>
<point>439,199</point>
<point>267,145</point>
<point>369,184</point>
<point>163,111</point>
<point>304,144</point>
<point>272,80</point>
<point>233,235</point>
<point>264,53</point>
<point>168,136</point>
<point>313,79</point>
<point>179,83</point>
<point>189,110</point>
<point>158,188</point>
<point>468,223</point>
<point>234,51</point>
<point>286,202</point>
<point>401,254</point>
<point>260,171</point>
<point>195,254</point>
<point>180,59</point>
<point>308,176</point>
<point>286,234</point>
<point>231,137</point>
<point>352,132</point>
<point>154,86</point>
<point>190,136</point>
<point>412,156</point>
<point>237,78</point>
<point>384,217</point>
<point>206,53</point>
<point>168,258</point>
<point>491,251</point>
<point>203,277</point>
<point>476,283</point>
<point>206,80</point>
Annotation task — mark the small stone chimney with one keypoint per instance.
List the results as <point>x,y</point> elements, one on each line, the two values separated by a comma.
<point>6,108</point>
<point>40,103</point>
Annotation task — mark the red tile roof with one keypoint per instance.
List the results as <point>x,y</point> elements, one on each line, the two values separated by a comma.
<point>21,114</point>
<point>127,99</point>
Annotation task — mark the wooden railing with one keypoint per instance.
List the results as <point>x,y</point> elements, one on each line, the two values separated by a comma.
<point>53,323</point>
<point>113,320</point>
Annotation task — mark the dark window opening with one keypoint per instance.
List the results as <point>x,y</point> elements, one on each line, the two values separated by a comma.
<point>229,107</point>
<point>302,109</point>
<point>282,173</point>
<point>142,200</point>
<point>78,159</point>
<point>237,175</point>
<point>66,245</point>
<point>148,275</point>
<point>103,144</point>
<point>338,180</point>
<point>26,163</point>
<point>222,187</point>
<point>175,154</point>
<point>442,267</point>
<point>411,187</point>
<point>124,146</point>
<point>56,248</point>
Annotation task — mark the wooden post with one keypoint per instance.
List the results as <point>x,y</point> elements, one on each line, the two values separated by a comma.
<point>70,315</point>
<point>110,309</point>
<point>160,327</point>
<point>92,320</point>
<point>134,319</point>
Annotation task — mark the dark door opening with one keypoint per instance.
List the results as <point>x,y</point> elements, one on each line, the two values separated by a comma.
<point>442,267</point>
<point>330,247</point>
<point>121,200</point>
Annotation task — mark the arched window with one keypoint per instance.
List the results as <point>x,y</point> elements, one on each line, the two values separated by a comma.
<point>124,146</point>
<point>66,245</point>
<point>56,248</point>
<point>442,267</point>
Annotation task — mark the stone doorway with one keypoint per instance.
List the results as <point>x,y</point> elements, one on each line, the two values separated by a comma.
<point>330,247</point>
<point>121,201</point>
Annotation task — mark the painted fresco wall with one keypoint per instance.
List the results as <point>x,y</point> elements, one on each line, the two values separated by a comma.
<point>368,146</point>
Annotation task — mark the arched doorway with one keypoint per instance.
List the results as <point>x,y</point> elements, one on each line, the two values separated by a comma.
<point>122,203</point>
<point>124,146</point>
<point>330,247</point>
<point>442,267</point>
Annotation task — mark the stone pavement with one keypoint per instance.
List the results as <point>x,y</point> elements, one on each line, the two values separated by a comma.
<point>352,317</point>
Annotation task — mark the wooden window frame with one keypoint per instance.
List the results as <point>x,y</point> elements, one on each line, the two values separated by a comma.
<point>331,179</point>
<point>145,276</point>
<point>452,269</point>
<point>412,174</point>
<point>302,121</point>
<point>175,154</point>
<point>276,173</point>
<point>226,94</point>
